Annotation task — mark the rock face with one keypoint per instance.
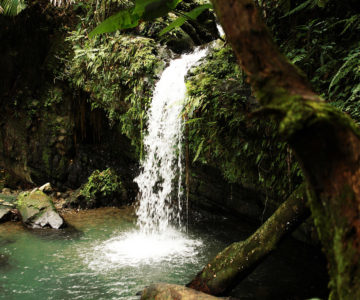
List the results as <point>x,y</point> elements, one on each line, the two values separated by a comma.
<point>38,211</point>
<point>164,291</point>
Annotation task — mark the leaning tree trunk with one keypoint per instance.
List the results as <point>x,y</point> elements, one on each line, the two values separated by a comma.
<point>325,141</point>
<point>240,258</point>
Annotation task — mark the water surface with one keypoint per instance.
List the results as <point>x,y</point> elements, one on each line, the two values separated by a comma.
<point>100,256</point>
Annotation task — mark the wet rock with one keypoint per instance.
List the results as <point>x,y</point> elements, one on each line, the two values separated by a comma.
<point>37,210</point>
<point>164,291</point>
<point>6,207</point>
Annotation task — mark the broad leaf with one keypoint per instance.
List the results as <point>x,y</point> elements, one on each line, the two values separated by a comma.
<point>143,10</point>
<point>181,20</point>
<point>11,7</point>
<point>121,20</point>
<point>152,9</point>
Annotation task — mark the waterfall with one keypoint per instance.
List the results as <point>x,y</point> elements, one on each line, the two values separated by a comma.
<point>160,180</point>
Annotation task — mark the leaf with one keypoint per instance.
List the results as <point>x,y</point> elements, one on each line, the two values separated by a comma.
<point>11,7</point>
<point>344,70</point>
<point>181,20</point>
<point>198,150</point>
<point>298,8</point>
<point>151,9</point>
<point>129,18</point>
<point>121,20</point>
<point>176,23</point>
<point>193,120</point>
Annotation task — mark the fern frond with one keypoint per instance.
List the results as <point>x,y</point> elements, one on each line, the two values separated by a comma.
<point>350,64</point>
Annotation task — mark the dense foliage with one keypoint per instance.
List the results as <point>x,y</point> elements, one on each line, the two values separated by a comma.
<point>223,131</point>
<point>321,38</point>
<point>103,187</point>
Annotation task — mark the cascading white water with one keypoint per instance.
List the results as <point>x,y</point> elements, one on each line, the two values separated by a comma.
<point>163,148</point>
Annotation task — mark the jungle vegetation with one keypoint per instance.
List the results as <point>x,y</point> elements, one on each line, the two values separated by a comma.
<point>287,113</point>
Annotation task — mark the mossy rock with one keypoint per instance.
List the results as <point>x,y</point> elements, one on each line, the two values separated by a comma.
<point>37,210</point>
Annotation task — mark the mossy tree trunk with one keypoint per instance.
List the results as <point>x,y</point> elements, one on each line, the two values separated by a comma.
<point>240,258</point>
<point>325,141</point>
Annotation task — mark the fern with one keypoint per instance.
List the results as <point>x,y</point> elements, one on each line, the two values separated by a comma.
<point>351,62</point>
<point>353,22</point>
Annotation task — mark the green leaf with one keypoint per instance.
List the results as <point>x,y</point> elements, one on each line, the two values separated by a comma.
<point>151,9</point>
<point>344,69</point>
<point>298,8</point>
<point>143,10</point>
<point>199,150</point>
<point>121,20</point>
<point>181,20</point>
<point>193,120</point>
<point>11,7</point>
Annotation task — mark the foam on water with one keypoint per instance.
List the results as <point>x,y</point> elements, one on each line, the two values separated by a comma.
<point>138,248</point>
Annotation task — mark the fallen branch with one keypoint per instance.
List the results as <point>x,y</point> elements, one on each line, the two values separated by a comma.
<point>238,259</point>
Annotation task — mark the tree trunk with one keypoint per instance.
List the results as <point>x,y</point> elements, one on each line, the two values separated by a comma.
<point>240,258</point>
<point>325,140</point>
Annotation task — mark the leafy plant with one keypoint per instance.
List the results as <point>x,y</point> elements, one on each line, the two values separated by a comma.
<point>129,18</point>
<point>222,133</point>
<point>11,7</point>
<point>102,186</point>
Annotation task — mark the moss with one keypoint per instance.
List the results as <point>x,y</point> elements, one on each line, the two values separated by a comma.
<point>296,113</point>
<point>102,189</point>
<point>37,199</point>
<point>224,134</point>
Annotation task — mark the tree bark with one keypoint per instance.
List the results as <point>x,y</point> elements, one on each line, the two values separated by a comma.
<point>325,140</point>
<point>240,258</point>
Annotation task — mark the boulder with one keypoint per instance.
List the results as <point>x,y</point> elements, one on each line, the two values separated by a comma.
<point>37,210</point>
<point>5,211</point>
<point>164,291</point>
<point>6,207</point>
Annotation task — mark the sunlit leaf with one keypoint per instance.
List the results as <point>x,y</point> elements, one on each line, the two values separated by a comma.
<point>122,20</point>
<point>143,10</point>
<point>192,15</point>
